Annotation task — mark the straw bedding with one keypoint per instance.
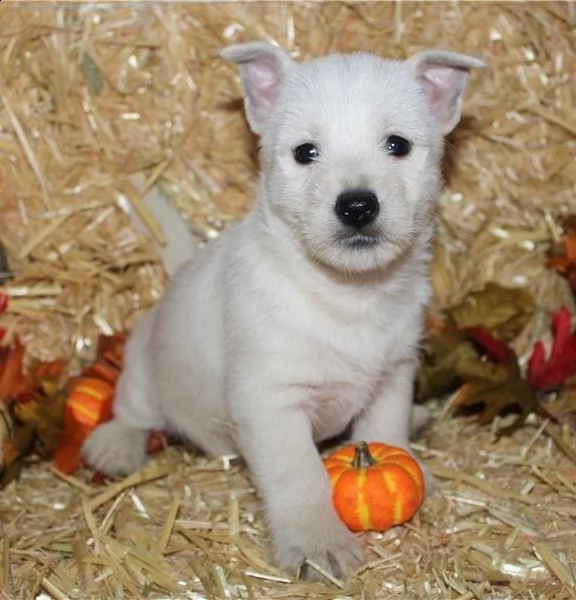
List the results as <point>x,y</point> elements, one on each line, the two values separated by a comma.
<point>101,105</point>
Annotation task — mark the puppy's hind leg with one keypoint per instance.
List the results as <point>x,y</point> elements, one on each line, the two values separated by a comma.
<point>119,446</point>
<point>115,448</point>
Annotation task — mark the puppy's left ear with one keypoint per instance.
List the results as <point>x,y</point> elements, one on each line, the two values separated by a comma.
<point>262,70</point>
<point>443,76</point>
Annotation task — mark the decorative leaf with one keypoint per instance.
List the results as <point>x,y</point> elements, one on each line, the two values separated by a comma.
<point>488,371</point>
<point>445,348</point>
<point>14,451</point>
<point>496,399</point>
<point>452,356</point>
<point>562,256</point>
<point>504,311</point>
<point>13,380</point>
<point>495,384</point>
<point>31,409</point>
<point>561,364</point>
<point>496,350</point>
<point>483,371</point>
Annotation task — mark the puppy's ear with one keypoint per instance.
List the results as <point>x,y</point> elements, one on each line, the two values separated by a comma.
<point>443,76</point>
<point>262,70</point>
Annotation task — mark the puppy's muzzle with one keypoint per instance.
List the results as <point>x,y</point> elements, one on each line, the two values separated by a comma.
<point>357,208</point>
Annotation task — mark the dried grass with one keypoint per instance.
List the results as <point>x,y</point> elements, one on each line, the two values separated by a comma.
<point>101,105</point>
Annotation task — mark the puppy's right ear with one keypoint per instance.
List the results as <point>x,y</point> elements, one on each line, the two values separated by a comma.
<point>262,70</point>
<point>443,76</point>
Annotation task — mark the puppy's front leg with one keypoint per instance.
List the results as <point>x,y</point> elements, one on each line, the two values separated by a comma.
<point>296,492</point>
<point>391,417</point>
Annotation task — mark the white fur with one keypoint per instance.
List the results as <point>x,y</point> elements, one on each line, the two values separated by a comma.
<point>279,333</point>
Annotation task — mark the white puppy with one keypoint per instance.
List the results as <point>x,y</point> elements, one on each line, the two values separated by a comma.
<point>307,315</point>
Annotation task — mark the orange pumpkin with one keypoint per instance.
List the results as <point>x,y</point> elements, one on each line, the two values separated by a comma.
<point>91,403</point>
<point>375,486</point>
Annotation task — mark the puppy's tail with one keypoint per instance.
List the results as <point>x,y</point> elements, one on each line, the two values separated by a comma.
<point>159,220</point>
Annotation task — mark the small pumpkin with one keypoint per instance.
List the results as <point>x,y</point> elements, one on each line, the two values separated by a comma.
<point>375,486</point>
<point>91,402</point>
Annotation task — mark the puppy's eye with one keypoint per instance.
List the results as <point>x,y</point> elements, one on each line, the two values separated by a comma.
<point>305,154</point>
<point>397,146</point>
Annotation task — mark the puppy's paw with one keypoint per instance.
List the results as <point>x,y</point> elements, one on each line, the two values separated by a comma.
<point>321,539</point>
<point>114,449</point>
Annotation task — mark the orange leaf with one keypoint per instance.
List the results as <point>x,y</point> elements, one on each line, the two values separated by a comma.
<point>570,242</point>
<point>13,381</point>
<point>48,370</point>
<point>558,263</point>
<point>67,458</point>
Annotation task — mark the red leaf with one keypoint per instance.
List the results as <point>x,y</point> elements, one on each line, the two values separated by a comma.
<point>3,301</point>
<point>542,373</point>
<point>496,350</point>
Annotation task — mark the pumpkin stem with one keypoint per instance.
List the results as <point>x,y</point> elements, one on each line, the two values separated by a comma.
<point>362,456</point>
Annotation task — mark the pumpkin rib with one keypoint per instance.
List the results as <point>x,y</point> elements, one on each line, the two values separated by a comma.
<point>387,453</point>
<point>363,509</point>
<point>379,500</point>
<point>412,493</point>
<point>382,451</point>
<point>345,498</point>
<point>345,455</point>
<point>335,476</point>
<point>415,475</point>
<point>396,504</point>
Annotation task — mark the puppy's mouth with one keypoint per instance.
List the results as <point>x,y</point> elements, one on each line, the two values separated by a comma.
<point>358,241</point>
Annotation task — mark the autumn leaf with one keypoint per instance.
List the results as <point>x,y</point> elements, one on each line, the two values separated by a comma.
<point>467,352</point>
<point>444,351</point>
<point>6,433</point>
<point>562,256</point>
<point>13,380</point>
<point>496,398</point>
<point>16,449</point>
<point>496,350</point>
<point>32,409</point>
<point>452,355</point>
<point>44,414</point>
<point>495,383</point>
<point>553,372</point>
<point>501,310</point>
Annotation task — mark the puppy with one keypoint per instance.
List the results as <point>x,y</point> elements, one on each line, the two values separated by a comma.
<point>306,316</point>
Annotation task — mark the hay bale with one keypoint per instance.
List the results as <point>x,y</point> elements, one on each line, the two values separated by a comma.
<point>100,104</point>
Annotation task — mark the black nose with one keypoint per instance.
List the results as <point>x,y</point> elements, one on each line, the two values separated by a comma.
<point>358,208</point>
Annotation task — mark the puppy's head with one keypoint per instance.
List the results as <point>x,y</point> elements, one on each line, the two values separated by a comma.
<point>352,146</point>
